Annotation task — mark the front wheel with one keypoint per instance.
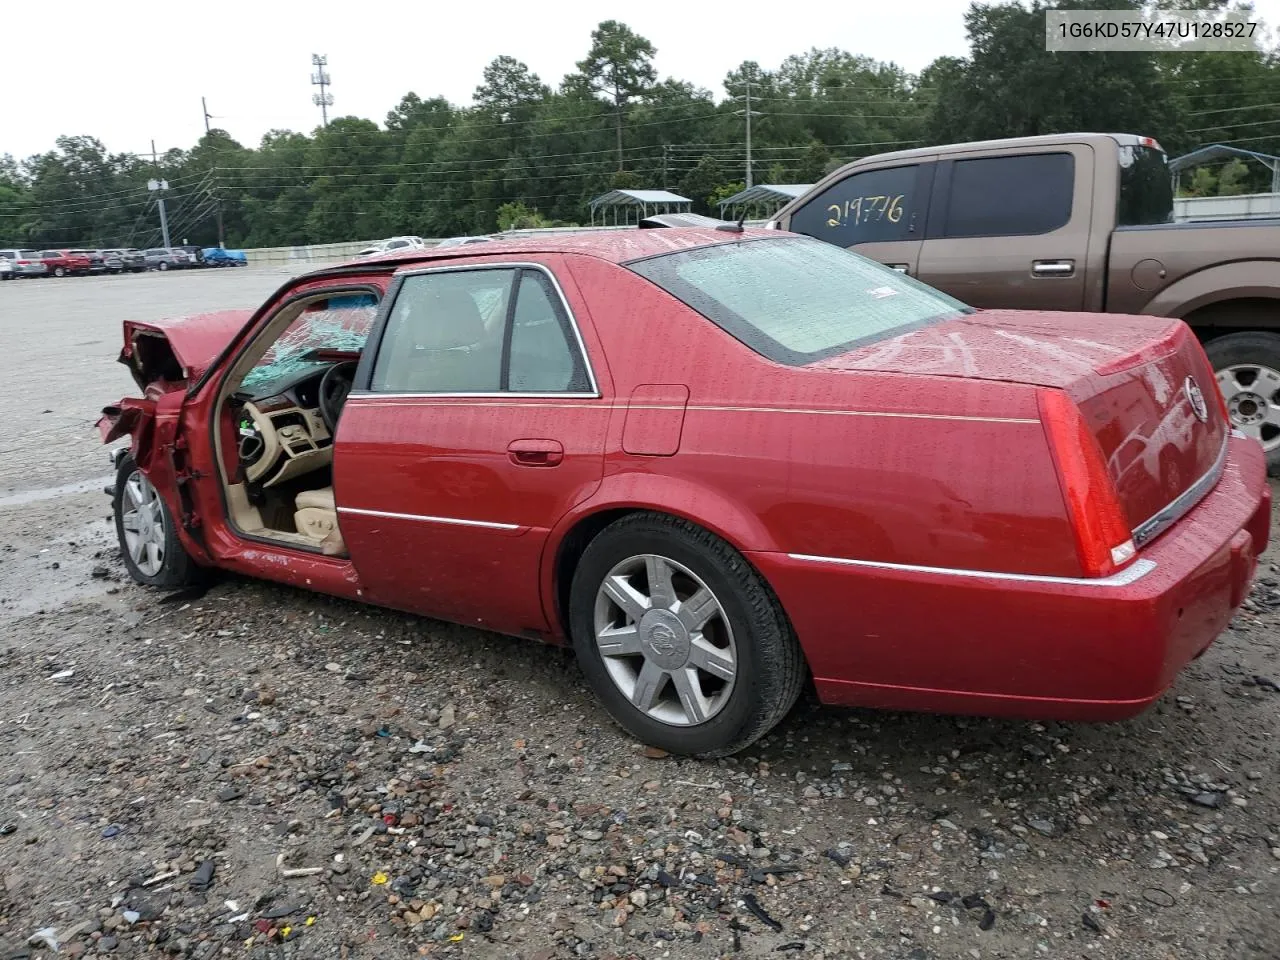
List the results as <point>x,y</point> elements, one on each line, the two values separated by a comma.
<point>148,539</point>
<point>59,272</point>
<point>1247,367</point>
<point>680,638</point>
<point>162,265</point>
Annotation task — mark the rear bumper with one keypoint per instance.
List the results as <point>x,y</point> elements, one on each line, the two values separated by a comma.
<point>916,638</point>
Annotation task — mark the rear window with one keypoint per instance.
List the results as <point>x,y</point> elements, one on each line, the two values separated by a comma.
<point>1146,187</point>
<point>9,254</point>
<point>796,300</point>
<point>28,254</point>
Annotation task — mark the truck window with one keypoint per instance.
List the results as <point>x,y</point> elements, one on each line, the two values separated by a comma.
<point>1009,196</point>
<point>1146,187</point>
<point>876,205</point>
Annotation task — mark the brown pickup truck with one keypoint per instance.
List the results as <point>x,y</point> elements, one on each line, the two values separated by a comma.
<point>1068,222</point>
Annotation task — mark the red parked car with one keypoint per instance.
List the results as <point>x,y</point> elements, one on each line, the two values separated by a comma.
<point>63,262</point>
<point>716,462</point>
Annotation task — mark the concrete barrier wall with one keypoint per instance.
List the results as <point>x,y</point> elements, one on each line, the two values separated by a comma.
<point>1244,207</point>
<point>332,252</point>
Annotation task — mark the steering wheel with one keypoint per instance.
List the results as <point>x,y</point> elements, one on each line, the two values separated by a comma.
<point>334,387</point>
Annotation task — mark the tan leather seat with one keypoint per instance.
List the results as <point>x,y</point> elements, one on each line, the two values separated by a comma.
<point>322,498</point>
<point>316,517</point>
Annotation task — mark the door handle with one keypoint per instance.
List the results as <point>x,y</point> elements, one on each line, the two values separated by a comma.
<point>535,453</point>
<point>899,267</point>
<point>1053,268</point>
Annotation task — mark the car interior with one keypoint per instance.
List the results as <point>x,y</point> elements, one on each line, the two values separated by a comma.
<point>279,413</point>
<point>282,400</point>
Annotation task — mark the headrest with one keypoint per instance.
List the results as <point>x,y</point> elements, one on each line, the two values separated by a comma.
<point>449,318</point>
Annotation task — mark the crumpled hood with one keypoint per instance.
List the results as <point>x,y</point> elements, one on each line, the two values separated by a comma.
<point>194,341</point>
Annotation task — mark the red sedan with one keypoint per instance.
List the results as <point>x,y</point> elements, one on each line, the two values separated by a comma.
<point>719,463</point>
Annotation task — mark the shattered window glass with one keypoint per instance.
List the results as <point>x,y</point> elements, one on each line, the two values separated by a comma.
<point>338,323</point>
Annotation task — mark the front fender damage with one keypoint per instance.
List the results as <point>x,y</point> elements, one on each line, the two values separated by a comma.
<point>160,452</point>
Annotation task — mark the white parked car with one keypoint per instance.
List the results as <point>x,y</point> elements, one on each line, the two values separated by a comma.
<point>393,244</point>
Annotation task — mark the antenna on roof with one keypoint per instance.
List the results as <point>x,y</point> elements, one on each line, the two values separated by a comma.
<point>734,227</point>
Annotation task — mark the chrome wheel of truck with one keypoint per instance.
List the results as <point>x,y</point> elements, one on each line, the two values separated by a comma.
<point>1247,367</point>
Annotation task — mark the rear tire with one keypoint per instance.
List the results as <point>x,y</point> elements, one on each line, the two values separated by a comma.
<point>712,663</point>
<point>162,265</point>
<point>146,532</point>
<point>59,272</point>
<point>1247,366</point>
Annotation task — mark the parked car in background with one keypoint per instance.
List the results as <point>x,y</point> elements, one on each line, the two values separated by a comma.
<point>97,262</point>
<point>112,261</point>
<point>461,241</point>
<point>22,263</point>
<point>1074,221</point>
<point>62,263</point>
<point>6,269</point>
<point>487,435</point>
<point>166,258</point>
<point>195,254</point>
<point>220,257</point>
<point>133,261</point>
<point>392,245</point>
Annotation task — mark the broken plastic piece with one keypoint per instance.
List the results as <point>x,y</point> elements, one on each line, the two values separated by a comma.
<point>45,935</point>
<point>757,911</point>
<point>380,878</point>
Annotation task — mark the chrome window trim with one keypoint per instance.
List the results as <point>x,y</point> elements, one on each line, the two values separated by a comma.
<point>499,395</point>
<point>1123,578</point>
<point>506,265</point>
<point>455,521</point>
<point>1153,526</point>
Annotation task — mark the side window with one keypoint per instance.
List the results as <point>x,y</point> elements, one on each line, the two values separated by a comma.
<point>874,206</point>
<point>544,356</point>
<point>1009,196</point>
<point>444,333</point>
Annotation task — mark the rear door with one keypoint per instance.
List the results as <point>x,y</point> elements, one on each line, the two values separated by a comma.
<point>1012,229</point>
<point>477,423</point>
<point>879,213</point>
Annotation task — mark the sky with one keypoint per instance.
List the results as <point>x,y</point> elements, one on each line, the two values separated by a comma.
<point>129,78</point>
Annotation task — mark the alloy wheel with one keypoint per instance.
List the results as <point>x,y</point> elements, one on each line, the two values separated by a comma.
<point>665,640</point>
<point>142,519</point>
<point>1252,392</point>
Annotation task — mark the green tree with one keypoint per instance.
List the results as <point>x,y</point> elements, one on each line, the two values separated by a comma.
<point>620,67</point>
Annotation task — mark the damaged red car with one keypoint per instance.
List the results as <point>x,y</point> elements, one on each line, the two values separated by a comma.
<point>722,464</point>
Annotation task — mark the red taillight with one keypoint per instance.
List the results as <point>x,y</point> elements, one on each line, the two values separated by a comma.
<point>1103,540</point>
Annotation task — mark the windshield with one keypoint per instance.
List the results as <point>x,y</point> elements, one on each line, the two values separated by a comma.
<point>797,300</point>
<point>1146,187</point>
<point>340,323</point>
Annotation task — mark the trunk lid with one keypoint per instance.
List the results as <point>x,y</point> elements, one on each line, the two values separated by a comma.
<point>1143,384</point>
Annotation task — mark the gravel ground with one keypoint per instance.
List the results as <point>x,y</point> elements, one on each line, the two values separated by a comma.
<point>260,772</point>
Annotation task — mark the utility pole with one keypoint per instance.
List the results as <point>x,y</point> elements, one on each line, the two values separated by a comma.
<point>158,186</point>
<point>666,149</point>
<point>323,99</point>
<point>747,112</point>
<point>217,200</point>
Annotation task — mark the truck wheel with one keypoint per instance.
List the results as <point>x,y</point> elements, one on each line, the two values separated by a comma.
<point>680,638</point>
<point>149,543</point>
<point>1247,366</point>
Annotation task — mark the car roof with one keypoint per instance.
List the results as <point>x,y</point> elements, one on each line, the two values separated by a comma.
<point>615,246</point>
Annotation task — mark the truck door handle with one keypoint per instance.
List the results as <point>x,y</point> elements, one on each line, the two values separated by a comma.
<point>535,453</point>
<point>1053,268</point>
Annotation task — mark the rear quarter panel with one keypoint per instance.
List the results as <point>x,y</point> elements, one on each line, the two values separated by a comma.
<point>940,471</point>
<point>1172,270</point>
